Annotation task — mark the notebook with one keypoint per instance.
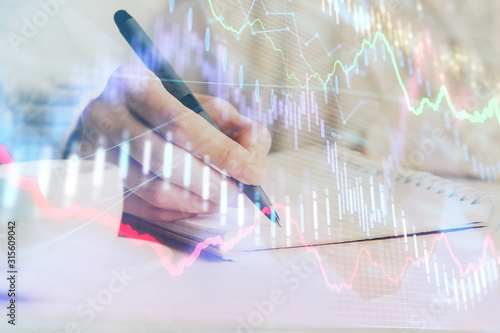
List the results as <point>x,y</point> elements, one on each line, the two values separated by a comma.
<point>325,196</point>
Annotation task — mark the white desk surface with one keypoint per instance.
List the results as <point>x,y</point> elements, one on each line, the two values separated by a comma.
<point>61,271</point>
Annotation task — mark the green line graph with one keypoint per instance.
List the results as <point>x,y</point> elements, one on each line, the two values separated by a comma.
<point>492,109</point>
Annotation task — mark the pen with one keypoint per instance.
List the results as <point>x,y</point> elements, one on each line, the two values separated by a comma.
<point>153,59</point>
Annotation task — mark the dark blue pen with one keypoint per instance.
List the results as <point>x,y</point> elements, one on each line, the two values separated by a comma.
<point>154,60</point>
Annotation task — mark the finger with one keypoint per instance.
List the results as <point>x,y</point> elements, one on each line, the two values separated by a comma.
<point>165,195</point>
<point>148,98</point>
<point>154,184</point>
<point>86,148</point>
<point>251,135</point>
<point>137,206</point>
<point>99,119</point>
<point>93,137</point>
<point>173,164</point>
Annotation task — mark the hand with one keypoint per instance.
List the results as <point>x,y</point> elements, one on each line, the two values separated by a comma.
<point>161,185</point>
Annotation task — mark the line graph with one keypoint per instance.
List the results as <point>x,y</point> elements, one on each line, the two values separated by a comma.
<point>356,108</point>
<point>30,185</point>
<point>492,109</point>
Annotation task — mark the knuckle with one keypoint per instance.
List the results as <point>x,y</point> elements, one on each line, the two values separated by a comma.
<point>126,74</point>
<point>119,81</point>
<point>138,94</point>
<point>94,114</point>
<point>93,135</point>
<point>224,158</point>
<point>223,104</point>
<point>184,122</point>
<point>107,126</point>
<point>132,82</point>
<point>96,121</point>
<point>86,148</point>
<point>165,109</point>
<point>122,71</point>
<point>230,160</point>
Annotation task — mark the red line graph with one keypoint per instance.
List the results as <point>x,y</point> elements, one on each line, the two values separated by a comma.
<point>30,185</point>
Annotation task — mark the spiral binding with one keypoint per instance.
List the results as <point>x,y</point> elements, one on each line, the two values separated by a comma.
<point>440,185</point>
<point>451,188</point>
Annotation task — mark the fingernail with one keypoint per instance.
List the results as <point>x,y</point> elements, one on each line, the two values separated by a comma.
<point>263,135</point>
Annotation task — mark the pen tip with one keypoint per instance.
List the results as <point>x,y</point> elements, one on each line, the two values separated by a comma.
<point>277,219</point>
<point>273,216</point>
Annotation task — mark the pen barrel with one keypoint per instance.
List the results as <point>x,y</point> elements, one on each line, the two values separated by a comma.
<point>151,56</point>
<point>192,103</point>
